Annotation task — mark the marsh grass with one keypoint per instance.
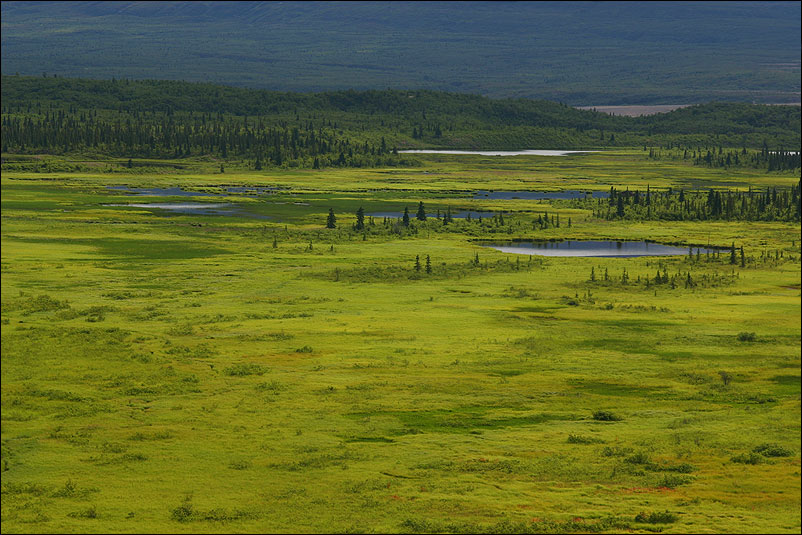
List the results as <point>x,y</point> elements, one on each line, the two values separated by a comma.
<point>187,356</point>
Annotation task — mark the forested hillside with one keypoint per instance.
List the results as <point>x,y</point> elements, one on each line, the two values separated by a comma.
<point>581,53</point>
<point>165,119</point>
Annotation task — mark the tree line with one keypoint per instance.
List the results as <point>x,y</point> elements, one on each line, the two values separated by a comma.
<point>773,204</point>
<point>166,119</point>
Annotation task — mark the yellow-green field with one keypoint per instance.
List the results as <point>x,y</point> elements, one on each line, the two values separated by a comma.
<point>198,374</point>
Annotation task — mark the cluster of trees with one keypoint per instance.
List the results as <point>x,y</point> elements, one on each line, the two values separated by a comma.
<point>773,204</point>
<point>359,224</point>
<point>771,160</point>
<point>680,279</point>
<point>167,119</point>
<point>719,157</point>
<point>177,135</point>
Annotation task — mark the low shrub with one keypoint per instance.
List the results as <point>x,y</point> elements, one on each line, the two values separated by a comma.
<point>606,416</point>
<point>579,439</point>
<point>748,458</point>
<point>672,481</point>
<point>89,512</point>
<point>615,451</point>
<point>638,458</point>
<point>183,512</point>
<point>773,450</point>
<point>656,518</point>
<point>241,370</point>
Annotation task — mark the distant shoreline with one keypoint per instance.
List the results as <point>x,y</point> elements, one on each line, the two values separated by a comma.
<point>637,111</point>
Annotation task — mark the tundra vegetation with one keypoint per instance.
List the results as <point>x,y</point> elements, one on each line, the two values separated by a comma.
<point>298,364</point>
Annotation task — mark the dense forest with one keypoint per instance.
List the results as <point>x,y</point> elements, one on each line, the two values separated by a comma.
<point>167,119</point>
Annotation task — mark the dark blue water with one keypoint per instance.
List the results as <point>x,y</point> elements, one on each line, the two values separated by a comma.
<point>539,195</point>
<point>605,248</point>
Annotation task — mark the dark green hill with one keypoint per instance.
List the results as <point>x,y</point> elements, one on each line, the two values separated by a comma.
<point>347,128</point>
<point>582,53</point>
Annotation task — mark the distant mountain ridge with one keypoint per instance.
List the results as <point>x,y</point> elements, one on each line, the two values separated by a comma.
<point>581,53</point>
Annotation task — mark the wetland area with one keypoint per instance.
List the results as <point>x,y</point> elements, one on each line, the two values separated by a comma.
<point>230,355</point>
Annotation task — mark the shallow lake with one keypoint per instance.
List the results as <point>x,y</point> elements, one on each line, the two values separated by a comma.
<point>538,195</point>
<point>178,192</point>
<point>499,152</point>
<point>604,248</point>
<point>163,192</point>
<point>223,209</point>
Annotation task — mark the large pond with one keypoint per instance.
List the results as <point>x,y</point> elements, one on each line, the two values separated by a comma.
<point>603,248</point>
<point>499,152</point>
<point>539,195</point>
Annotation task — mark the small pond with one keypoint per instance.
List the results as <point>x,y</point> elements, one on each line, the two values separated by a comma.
<point>499,152</point>
<point>603,248</point>
<point>538,195</point>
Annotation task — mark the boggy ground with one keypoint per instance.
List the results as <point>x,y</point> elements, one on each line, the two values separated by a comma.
<point>206,373</point>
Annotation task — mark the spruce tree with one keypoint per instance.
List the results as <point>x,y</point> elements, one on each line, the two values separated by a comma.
<point>360,219</point>
<point>421,212</point>
<point>428,264</point>
<point>331,221</point>
<point>405,219</point>
<point>417,263</point>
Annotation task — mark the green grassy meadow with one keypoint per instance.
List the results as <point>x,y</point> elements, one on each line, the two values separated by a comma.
<point>199,373</point>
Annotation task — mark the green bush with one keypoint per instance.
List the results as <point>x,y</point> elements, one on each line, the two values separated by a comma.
<point>579,439</point>
<point>656,518</point>
<point>638,458</point>
<point>773,450</point>
<point>672,481</point>
<point>89,512</point>
<point>183,512</point>
<point>241,370</point>
<point>615,451</point>
<point>748,458</point>
<point>606,416</point>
